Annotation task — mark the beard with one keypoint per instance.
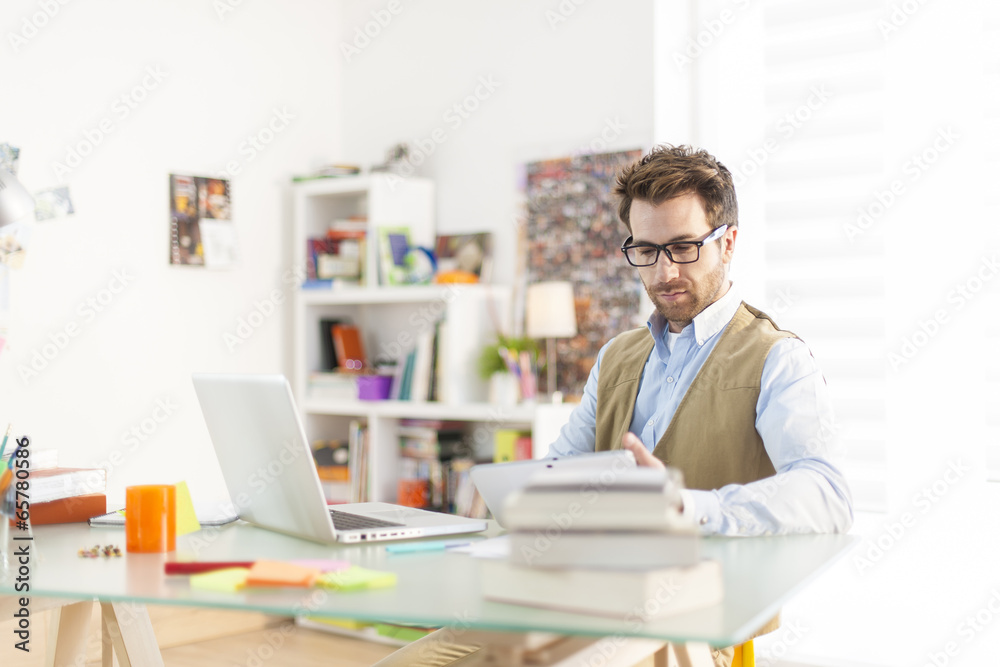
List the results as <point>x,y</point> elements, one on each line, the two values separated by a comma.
<point>697,296</point>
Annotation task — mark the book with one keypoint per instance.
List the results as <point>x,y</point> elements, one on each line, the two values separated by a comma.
<point>632,594</point>
<point>605,549</point>
<point>41,459</point>
<point>335,386</point>
<point>328,355</point>
<point>393,247</point>
<point>57,483</point>
<point>625,500</point>
<point>68,510</point>
<point>349,348</point>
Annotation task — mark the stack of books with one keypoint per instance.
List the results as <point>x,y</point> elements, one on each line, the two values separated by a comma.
<point>67,495</point>
<point>613,544</point>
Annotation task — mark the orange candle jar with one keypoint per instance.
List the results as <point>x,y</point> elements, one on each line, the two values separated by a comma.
<point>150,518</point>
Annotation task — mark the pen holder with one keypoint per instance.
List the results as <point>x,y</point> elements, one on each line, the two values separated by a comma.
<point>150,518</point>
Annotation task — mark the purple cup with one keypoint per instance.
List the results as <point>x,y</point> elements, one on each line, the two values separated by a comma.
<point>374,387</point>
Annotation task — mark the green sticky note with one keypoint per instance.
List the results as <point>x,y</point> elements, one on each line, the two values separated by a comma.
<point>229,580</point>
<point>187,520</point>
<point>356,579</point>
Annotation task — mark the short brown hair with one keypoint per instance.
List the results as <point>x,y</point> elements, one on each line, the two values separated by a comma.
<point>671,171</point>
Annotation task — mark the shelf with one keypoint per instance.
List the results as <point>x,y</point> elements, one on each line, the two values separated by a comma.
<point>472,412</point>
<point>339,185</point>
<point>353,295</point>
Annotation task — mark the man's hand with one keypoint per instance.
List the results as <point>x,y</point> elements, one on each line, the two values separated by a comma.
<point>642,455</point>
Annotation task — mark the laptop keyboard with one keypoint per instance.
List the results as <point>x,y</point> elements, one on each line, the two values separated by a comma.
<point>348,521</point>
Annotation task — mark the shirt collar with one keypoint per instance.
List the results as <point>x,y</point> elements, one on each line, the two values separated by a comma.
<point>705,324</point>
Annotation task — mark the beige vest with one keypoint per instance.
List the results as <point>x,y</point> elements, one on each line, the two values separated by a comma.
<point>712,438</point>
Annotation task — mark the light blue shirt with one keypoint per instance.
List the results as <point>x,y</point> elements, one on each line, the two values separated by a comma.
<point>794,419</point>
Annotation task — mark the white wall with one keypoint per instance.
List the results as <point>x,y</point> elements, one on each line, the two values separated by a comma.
<point>223,74</point>
<point>565,72</point>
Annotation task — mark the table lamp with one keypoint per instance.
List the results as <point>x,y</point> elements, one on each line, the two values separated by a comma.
<point>550,314</point>
<point>15,202</point>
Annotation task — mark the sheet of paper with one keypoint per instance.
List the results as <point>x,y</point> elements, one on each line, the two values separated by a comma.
<point>220,581</point>
<point>495,547</point>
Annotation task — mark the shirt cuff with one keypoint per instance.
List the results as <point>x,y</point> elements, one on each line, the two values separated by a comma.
<point>702,509</point>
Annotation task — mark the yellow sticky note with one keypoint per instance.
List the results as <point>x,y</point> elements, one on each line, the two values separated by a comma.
<point>277,573</point>
<point>229,580</point>
<point>356,579</point>
<point>187,520</point>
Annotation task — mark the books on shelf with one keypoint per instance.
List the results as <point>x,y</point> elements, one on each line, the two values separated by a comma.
<point>511,445</point>
<point>634,594</point>
<point>332,459</point>
<point>357,439</point>
<point>332,386</point>
<point>328,171</point>
<point>349,348</point>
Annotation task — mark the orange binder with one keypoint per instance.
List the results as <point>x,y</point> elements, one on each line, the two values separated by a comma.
<point>349,348</point>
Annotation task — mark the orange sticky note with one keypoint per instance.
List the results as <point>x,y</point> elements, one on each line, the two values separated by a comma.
<point>278,573</point>
<point>187,520</point>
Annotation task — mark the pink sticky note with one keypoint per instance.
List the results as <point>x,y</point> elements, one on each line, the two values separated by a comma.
<point>322,565</point>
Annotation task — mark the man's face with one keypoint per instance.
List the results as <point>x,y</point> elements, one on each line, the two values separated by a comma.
<point>681,291</point>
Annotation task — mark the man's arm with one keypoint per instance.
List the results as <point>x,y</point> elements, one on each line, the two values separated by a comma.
<point>808,494</point>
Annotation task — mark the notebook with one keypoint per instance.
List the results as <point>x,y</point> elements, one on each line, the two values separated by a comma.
<point>269,471</point>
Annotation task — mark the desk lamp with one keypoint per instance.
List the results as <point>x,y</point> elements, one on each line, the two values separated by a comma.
<point>550,314</point>
<point>15,202</point>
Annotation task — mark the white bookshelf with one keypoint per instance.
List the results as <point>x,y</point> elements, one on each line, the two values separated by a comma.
<point>390,319</point>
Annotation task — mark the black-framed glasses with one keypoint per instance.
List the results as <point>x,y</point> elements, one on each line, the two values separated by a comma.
<point>680,252</point>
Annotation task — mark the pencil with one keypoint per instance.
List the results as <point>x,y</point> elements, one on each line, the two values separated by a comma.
<point>5,436</point>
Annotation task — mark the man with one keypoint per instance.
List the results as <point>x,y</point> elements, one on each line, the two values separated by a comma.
<point>711,385</point>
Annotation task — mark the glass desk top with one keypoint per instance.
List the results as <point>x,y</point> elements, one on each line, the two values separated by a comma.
<point>434,589</point>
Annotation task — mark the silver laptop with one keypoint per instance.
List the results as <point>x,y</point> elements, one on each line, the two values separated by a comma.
<point>272,480</point>
<point>496,481</point>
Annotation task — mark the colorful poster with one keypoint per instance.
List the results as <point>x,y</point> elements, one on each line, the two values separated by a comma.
<point>201,229</point>
<point>574,234</point>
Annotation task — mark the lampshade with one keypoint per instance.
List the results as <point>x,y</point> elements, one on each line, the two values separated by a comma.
<point>15,202</point>
<point>550,310</point>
